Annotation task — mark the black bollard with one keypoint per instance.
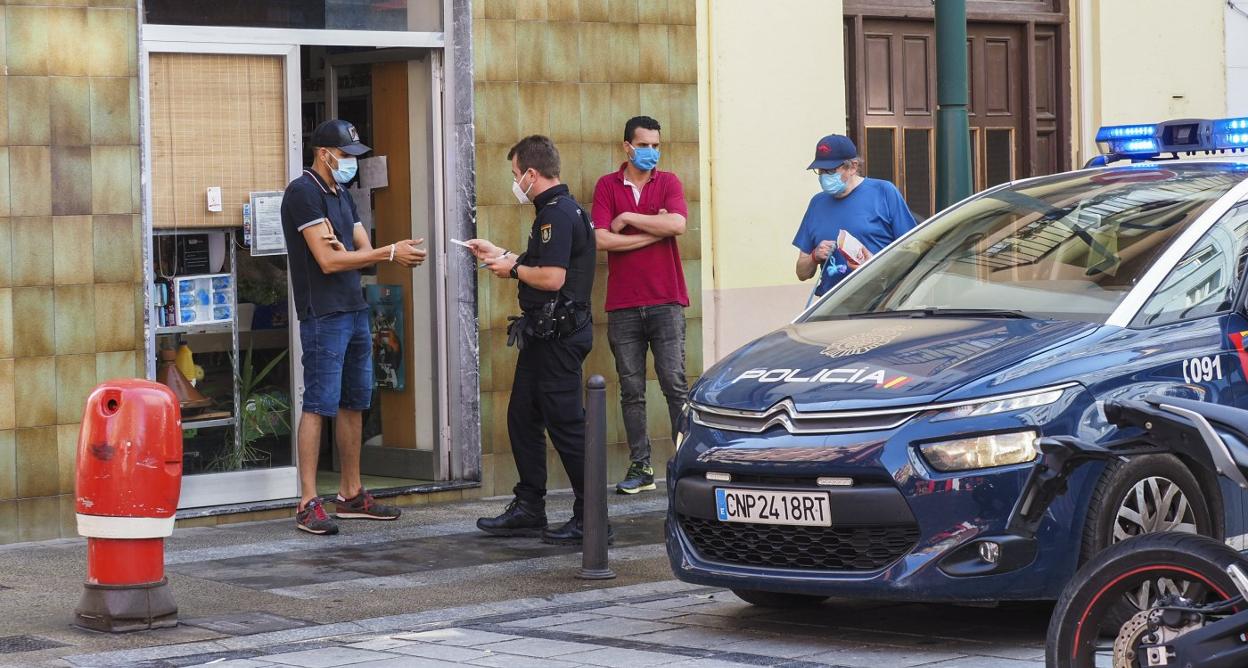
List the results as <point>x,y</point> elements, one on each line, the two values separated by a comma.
<point>594,547</point>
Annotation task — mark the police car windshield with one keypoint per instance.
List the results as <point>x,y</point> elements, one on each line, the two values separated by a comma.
<point>1070,246</point>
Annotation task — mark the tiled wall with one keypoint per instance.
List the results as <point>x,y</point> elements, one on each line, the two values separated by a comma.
<point>70,263</point>
<point>576,71</point>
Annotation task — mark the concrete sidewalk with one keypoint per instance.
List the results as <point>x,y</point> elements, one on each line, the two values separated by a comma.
<point>430,589</point>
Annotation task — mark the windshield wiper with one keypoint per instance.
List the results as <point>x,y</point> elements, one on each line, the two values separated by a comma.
<point>937,312</point>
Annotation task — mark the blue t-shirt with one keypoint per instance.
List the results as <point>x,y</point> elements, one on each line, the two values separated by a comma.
<point>873,212</point>
<point>309,201</point>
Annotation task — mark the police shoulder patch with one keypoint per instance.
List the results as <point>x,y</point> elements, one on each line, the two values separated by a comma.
<point>546,232</point>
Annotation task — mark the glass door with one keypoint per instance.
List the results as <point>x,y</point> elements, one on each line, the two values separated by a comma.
<point>222,126</point>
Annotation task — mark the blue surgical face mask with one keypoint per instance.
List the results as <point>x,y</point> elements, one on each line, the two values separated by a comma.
<point>832,184</point>
<point>645,158</point>
<point>345,171</point>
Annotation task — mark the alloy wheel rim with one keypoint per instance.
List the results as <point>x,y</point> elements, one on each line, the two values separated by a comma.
<point>1151,505</point>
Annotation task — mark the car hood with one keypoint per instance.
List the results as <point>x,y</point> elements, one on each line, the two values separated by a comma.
<point>875,362</point>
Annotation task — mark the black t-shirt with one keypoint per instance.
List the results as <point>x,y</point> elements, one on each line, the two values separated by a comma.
<point>562,236</point>
<point>308,201</point>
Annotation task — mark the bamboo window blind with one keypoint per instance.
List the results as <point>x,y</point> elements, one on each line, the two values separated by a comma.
<point>216,120</point>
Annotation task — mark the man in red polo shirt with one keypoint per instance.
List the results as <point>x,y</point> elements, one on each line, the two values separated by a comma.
<point>638,212</point>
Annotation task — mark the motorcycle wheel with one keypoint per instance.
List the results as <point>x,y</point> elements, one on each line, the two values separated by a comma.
<point>1087,618</point>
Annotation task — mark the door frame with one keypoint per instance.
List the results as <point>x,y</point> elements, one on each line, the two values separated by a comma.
<point>459,438</point>
<point>439,458</point>
<point>214,489</point>
<point>1047,14</point>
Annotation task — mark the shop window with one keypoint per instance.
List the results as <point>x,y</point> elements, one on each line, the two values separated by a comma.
<point>397,15</point>
<point>217,120</point>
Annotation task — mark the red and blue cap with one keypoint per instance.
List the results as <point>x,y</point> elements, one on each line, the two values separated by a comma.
<point>832,151</point>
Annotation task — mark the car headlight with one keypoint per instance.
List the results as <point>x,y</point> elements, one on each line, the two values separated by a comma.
<point>1042,397</point>
<point>981,452</point>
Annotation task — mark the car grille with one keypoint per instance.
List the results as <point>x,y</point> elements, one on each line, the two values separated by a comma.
<point>802,548</point>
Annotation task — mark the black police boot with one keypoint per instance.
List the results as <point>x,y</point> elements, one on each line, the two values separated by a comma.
<point>519,519</point>
<point>571,533</point>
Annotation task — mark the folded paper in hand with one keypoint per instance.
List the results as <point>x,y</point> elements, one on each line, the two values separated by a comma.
<point>853,250</point>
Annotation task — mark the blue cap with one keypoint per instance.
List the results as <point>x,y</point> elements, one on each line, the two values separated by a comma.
<point>833,150</point>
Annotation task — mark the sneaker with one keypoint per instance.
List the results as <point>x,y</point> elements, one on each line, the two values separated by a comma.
<point>362,506</point>
<point>314,519</point>
<point>518,519</point>
<point>640,478</point>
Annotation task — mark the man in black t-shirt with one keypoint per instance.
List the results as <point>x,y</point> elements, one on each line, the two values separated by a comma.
<point>327,246</point>
<point>556,277</point>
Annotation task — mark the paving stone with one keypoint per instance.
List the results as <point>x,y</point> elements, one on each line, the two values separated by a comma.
<point>246,623</point>
<point>622,658</point>
<point>875,656</point>
<point>614,628</point>
<point>442,652</point>
<point>328,657</point>
<point>538,647</point>
<point>552,620</point>
<point>380,644</point>
<point>457,636</point>
<point>707,663</point>
<point>789,647</point>
<point>633,612</point>
<point>513,661</point>
<point>402,662</point>
<point>985,662</point>
<point>233,663</point>
<point>702,638</point>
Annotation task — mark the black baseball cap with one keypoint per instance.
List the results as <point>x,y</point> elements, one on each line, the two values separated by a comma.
<point>339,134</point>
<point>832,151</point>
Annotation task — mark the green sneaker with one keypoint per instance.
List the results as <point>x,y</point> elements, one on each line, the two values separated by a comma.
<point>640,478</point>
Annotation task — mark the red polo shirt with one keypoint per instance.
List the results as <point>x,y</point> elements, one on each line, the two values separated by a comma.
<point>647,276</point>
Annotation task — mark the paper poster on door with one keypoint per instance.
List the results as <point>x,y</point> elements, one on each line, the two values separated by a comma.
<point>386,322</point>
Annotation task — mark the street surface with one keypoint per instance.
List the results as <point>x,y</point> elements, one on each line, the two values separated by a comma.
<point>429,590</point>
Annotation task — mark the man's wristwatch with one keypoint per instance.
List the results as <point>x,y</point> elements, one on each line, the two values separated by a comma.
<point>515,269</point>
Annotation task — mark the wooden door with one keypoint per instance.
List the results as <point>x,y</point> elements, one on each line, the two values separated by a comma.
<point>1014,102</point>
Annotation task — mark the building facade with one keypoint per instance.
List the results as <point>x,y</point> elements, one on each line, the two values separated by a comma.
<point>120,116</point>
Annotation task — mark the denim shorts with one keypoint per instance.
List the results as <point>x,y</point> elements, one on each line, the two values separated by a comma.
<point>337,362</point>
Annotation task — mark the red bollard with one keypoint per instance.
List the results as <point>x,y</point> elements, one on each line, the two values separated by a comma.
<point>129,478</point>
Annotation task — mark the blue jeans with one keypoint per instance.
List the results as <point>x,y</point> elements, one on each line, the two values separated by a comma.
<point>631,332</point>
<point>337,362</point>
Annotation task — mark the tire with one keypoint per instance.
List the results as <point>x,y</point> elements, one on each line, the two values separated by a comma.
<point>1115,492</point>
<point>1085,612</point>
<point>771,599</point>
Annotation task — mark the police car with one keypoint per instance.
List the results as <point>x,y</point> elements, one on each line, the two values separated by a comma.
<point>875,447</point>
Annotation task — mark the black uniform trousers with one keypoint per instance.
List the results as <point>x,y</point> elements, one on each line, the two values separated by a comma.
<point>547,397</point>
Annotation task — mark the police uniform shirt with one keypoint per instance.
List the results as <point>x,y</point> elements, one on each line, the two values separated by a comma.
<point>309,201</point>
<point>561,237</point>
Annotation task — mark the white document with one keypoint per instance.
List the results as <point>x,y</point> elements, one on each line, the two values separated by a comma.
<point>266,224</point>
<point>374,173</point>
<point>363,206</point>
<point>457,242</point>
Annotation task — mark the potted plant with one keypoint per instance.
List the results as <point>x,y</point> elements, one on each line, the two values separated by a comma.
<point>264,412</point>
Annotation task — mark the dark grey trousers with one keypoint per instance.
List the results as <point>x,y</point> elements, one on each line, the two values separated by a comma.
<point>631,332</point>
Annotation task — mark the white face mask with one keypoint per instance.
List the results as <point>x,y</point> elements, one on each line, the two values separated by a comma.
<point>521,195</point>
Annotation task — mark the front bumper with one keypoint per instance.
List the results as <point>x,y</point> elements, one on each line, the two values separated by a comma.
<point>885,543</point>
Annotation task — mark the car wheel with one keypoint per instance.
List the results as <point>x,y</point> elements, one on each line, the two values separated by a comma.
<point>771,599</point>
<point>1144,495</point>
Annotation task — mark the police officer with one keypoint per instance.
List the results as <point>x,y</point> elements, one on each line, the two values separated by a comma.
<point>556,278</point>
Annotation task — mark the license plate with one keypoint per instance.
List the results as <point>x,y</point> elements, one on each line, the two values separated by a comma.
<point>766,507</point>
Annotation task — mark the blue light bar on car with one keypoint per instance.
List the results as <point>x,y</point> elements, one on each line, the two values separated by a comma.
<point>1230,133</point>
<point>1129,140</point>
<point>1112,132</point>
